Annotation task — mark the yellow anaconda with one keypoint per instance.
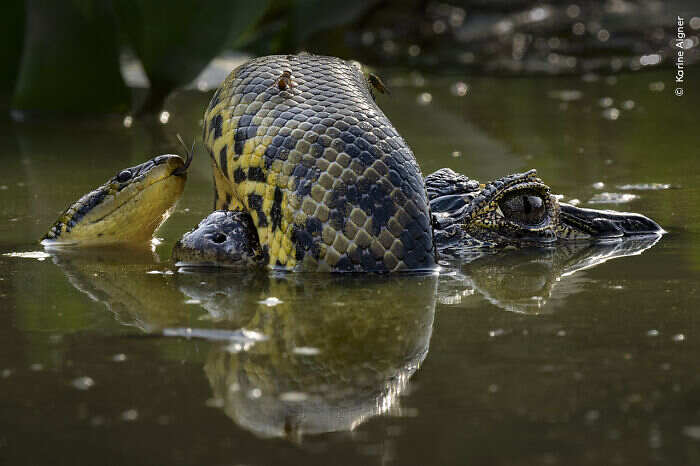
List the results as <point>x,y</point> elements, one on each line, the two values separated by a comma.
<point>298,142</point>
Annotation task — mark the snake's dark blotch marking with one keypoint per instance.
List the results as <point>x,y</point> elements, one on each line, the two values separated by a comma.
<point>223,160</point>
<point>328,182</point>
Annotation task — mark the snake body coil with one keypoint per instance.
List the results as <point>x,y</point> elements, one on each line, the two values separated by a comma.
<point>298,142</point>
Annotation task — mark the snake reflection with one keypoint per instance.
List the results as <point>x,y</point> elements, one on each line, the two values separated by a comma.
<point>328,352</point>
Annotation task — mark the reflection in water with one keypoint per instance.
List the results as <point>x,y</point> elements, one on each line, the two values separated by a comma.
<point>339,349</point>
<point>122,280</point>
<point>524,280</point>
<point>295,354</point>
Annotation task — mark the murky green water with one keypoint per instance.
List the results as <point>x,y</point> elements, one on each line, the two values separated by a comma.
<point>573,356</point>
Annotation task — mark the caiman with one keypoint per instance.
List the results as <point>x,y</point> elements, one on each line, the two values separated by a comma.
<point>310,175</point>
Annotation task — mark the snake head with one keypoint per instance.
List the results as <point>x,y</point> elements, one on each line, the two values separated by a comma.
<point>519,210</point>
<point>127,208</point>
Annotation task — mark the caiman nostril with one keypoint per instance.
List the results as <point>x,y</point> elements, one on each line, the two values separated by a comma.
<point>124,176</point>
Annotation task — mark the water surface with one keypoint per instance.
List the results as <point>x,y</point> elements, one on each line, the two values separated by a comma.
<point>584,355</point>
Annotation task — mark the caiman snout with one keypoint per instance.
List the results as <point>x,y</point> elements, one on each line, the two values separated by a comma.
<point>605,224</point>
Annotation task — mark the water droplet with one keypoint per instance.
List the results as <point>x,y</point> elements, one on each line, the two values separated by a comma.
<point>456,154</point>
<point>493,388</point>
<point>496,332</point>
<point>164,117</point>
<point>598,185</point>
<point>36,367</point>
<point>656,86</point>
<point>128,121</point>
<point>255,393</point>
<point>679,337</point>
<point>424,98</point>
<point>650,60</point>
<point>120,357</point>
<point>293,397</point>
<point>413,50</point>
<point>439,27</point>
<point>538,14</point>
<point>459,89</point>
<point>389,47</point>
<point>628,104</point>
<point>605,102</point>
<point>611,113</point>
<point>572,11</point>
<point>306,351</point>
<point>271,301</point>
<point>692,432</point>
<point>130,415</point>
<point>83,383</point>
<point>603,35</point>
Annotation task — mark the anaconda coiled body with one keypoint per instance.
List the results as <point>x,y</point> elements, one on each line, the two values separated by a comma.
<point>328,181</point>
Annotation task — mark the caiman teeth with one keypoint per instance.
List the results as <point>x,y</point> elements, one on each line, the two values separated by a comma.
<point>499,211</point>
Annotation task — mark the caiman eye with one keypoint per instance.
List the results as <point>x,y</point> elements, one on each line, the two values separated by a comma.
<point>124,176</point>
<point>527,209</point>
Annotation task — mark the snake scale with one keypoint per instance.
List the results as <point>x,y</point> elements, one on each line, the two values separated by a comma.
<point>299,143</point>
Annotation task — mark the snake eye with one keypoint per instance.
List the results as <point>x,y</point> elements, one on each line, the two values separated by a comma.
<point>124,176</point>
<point>528,209</point>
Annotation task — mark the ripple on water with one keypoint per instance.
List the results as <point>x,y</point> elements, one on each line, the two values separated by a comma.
<point>612,198</point>
<point>306,351</point>
<point>644,187</point>
<point>565,95</point>
<point>38,255</point>
<point>293,397</point>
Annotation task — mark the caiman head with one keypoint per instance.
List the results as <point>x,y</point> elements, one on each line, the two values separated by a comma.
<point>518,210</point>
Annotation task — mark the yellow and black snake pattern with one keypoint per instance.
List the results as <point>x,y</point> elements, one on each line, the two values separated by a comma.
<point>298,142</point>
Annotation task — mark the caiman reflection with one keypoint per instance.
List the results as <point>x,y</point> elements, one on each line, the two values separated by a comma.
<point>524,280</point>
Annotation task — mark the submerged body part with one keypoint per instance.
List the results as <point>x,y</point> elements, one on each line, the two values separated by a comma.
<point>128,208</point>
